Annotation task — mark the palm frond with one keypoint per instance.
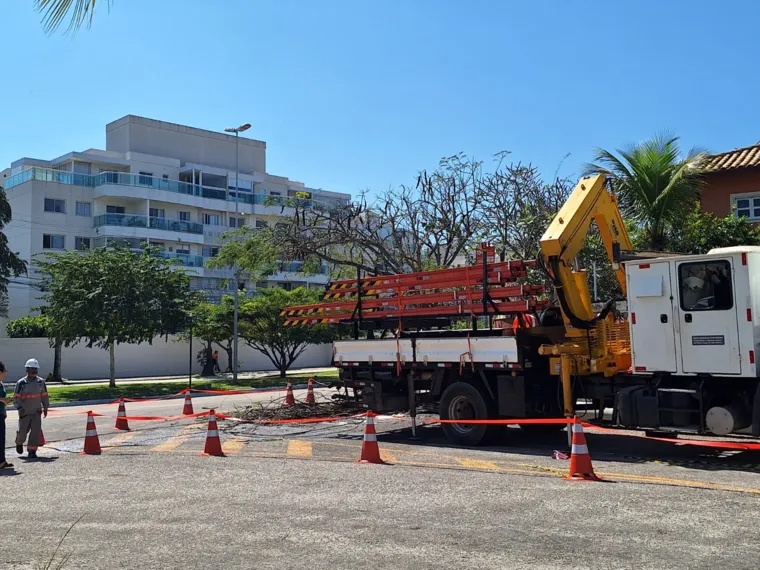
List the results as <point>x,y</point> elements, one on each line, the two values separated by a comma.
<point>80,13</point>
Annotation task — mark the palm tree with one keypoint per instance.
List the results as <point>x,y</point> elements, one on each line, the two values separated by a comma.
<point>80,13</point>
<point>656,185</point>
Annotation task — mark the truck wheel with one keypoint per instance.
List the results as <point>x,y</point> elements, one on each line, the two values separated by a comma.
<point>462,401</point>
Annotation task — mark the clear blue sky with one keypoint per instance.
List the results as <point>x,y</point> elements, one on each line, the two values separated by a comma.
<point>355,94</point>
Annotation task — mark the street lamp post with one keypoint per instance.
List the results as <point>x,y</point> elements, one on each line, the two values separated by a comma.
<point>235,269</point>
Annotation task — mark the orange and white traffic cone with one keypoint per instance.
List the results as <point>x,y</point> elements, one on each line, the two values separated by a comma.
<point>370,449</point>
<point>290,399</point>
<point>213,443</point>
<point>91,441</point>
<point>188,409</point>
<point>580,460</point>
<point>310,392</point>
<point>121,417</point>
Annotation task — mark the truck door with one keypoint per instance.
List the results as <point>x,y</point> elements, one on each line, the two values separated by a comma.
<point>651,306</point>
<point>707,317</point>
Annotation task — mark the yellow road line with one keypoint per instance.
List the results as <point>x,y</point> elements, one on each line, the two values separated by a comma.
<point>118,439</point>
<point>299,448</point>
<point>477,464</point>
<point>174,442</point>
<point>233,445</point>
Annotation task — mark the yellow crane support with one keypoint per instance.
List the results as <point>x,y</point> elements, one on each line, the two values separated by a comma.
<point>593,344</point>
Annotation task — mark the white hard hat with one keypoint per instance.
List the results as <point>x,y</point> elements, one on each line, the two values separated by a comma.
<point>694,283</point>
<point>32,363</point>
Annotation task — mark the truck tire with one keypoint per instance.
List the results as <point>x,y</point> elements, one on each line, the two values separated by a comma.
<point>463,401</point>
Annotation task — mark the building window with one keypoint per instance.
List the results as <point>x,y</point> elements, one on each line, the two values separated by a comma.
<point>212,219</point>
<point>285,285</point>
<point>165,176</point>
<point>706,286</point>
<point>82,167</point>
<point>84,209</point>
<point>237,222</point>
<point>51,241</point>
<point>145,178</point>
<point>181,251</point>
<point>57,206</point>
<point>273,193</point>
<point>157,212</point>
<point>81,243</point>
<point>260,224</point>
<point>183,216</point>
<point>115,210</point>
<point>748,207</point>
<point>209,251</point>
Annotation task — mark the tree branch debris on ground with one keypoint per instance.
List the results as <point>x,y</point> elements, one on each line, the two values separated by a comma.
<point>276,411</point>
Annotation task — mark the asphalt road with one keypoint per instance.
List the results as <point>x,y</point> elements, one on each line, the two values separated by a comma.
<point>292,497</point>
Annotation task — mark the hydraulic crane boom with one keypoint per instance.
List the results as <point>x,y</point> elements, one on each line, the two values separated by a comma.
<point>592,344</point>
<point>565,237</point>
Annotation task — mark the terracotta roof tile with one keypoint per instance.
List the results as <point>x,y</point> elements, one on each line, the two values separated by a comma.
<point>746,157</point>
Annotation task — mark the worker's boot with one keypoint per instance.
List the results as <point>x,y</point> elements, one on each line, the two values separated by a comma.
<point>19,449</point>
<point>32,455</point>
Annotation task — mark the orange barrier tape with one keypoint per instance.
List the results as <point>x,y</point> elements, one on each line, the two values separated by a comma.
<point>153,418</point>
<point>501,422</point>
<point>678,441</point>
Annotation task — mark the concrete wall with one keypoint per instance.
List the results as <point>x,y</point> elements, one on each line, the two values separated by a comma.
<point>148,136</point>
<point>159,359</point>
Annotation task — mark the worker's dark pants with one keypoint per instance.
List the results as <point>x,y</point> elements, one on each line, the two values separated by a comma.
<point>2,438</point>
<point>30,422</point>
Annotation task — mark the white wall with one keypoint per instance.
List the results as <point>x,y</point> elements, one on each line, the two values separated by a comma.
<point>159,359</point>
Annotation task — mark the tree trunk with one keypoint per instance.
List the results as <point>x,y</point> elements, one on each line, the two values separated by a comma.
<point>57,375</point>
<point>283,369</point>
<point>112,364</point>
<point>228,350</point>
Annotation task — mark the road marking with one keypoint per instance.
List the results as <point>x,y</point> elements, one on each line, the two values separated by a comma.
<point>233,445</point>
<point>477,464</point>
<point>174,442</point>
<point>118,439</point>
<point>299,448</point>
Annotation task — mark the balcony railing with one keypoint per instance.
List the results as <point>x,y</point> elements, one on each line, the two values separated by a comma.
<point>135,221</point>
<point>156,183</point>
<point>183,258</point>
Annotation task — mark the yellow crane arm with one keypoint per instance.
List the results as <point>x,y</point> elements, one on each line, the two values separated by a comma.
<point>566,236</point>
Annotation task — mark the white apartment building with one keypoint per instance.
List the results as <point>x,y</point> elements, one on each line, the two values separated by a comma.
<point>170,185</point>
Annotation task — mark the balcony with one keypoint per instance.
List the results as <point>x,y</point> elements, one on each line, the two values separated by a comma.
<point>183,258</point>
<point>156,183</point>
<point>135,221</point>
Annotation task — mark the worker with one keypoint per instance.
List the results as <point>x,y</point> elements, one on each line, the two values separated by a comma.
<point>3,402</point>
<point>215,360</point>
<point>31,401</point>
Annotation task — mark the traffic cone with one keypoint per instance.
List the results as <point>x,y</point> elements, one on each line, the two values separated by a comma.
<point>213,443</point>
<point>310,392</point>
<point>370,449</point>
<point>91,441</point>
<point>580,460</point>
<point>188,409</point>
<point>121,421</point>
<point>42,439</point>
<point>290,399</point>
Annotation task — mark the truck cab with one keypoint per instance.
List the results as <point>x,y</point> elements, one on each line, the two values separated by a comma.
<point>695,314</point>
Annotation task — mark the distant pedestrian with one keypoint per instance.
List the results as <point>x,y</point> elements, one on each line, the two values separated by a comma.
<point>215,360</point>
<point>31,401</point>
<point>3,402</point>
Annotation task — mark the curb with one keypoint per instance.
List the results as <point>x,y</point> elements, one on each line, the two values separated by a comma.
<point>174,397</point>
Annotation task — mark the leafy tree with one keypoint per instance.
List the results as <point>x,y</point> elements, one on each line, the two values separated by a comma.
<point>107,297</point>
<point>11,265</point>
<point>38,327</point>
<point>656,186</point>
<point>262,328</point>
<point>699,232</point>
<point>79,12</point>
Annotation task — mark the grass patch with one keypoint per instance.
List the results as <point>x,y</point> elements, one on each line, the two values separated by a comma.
<point>63,394</point>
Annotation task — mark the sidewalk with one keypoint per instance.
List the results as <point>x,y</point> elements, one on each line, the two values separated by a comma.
<point>183,378</point>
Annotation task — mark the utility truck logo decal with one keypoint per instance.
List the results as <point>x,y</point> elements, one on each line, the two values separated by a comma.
<point>708,340</point>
